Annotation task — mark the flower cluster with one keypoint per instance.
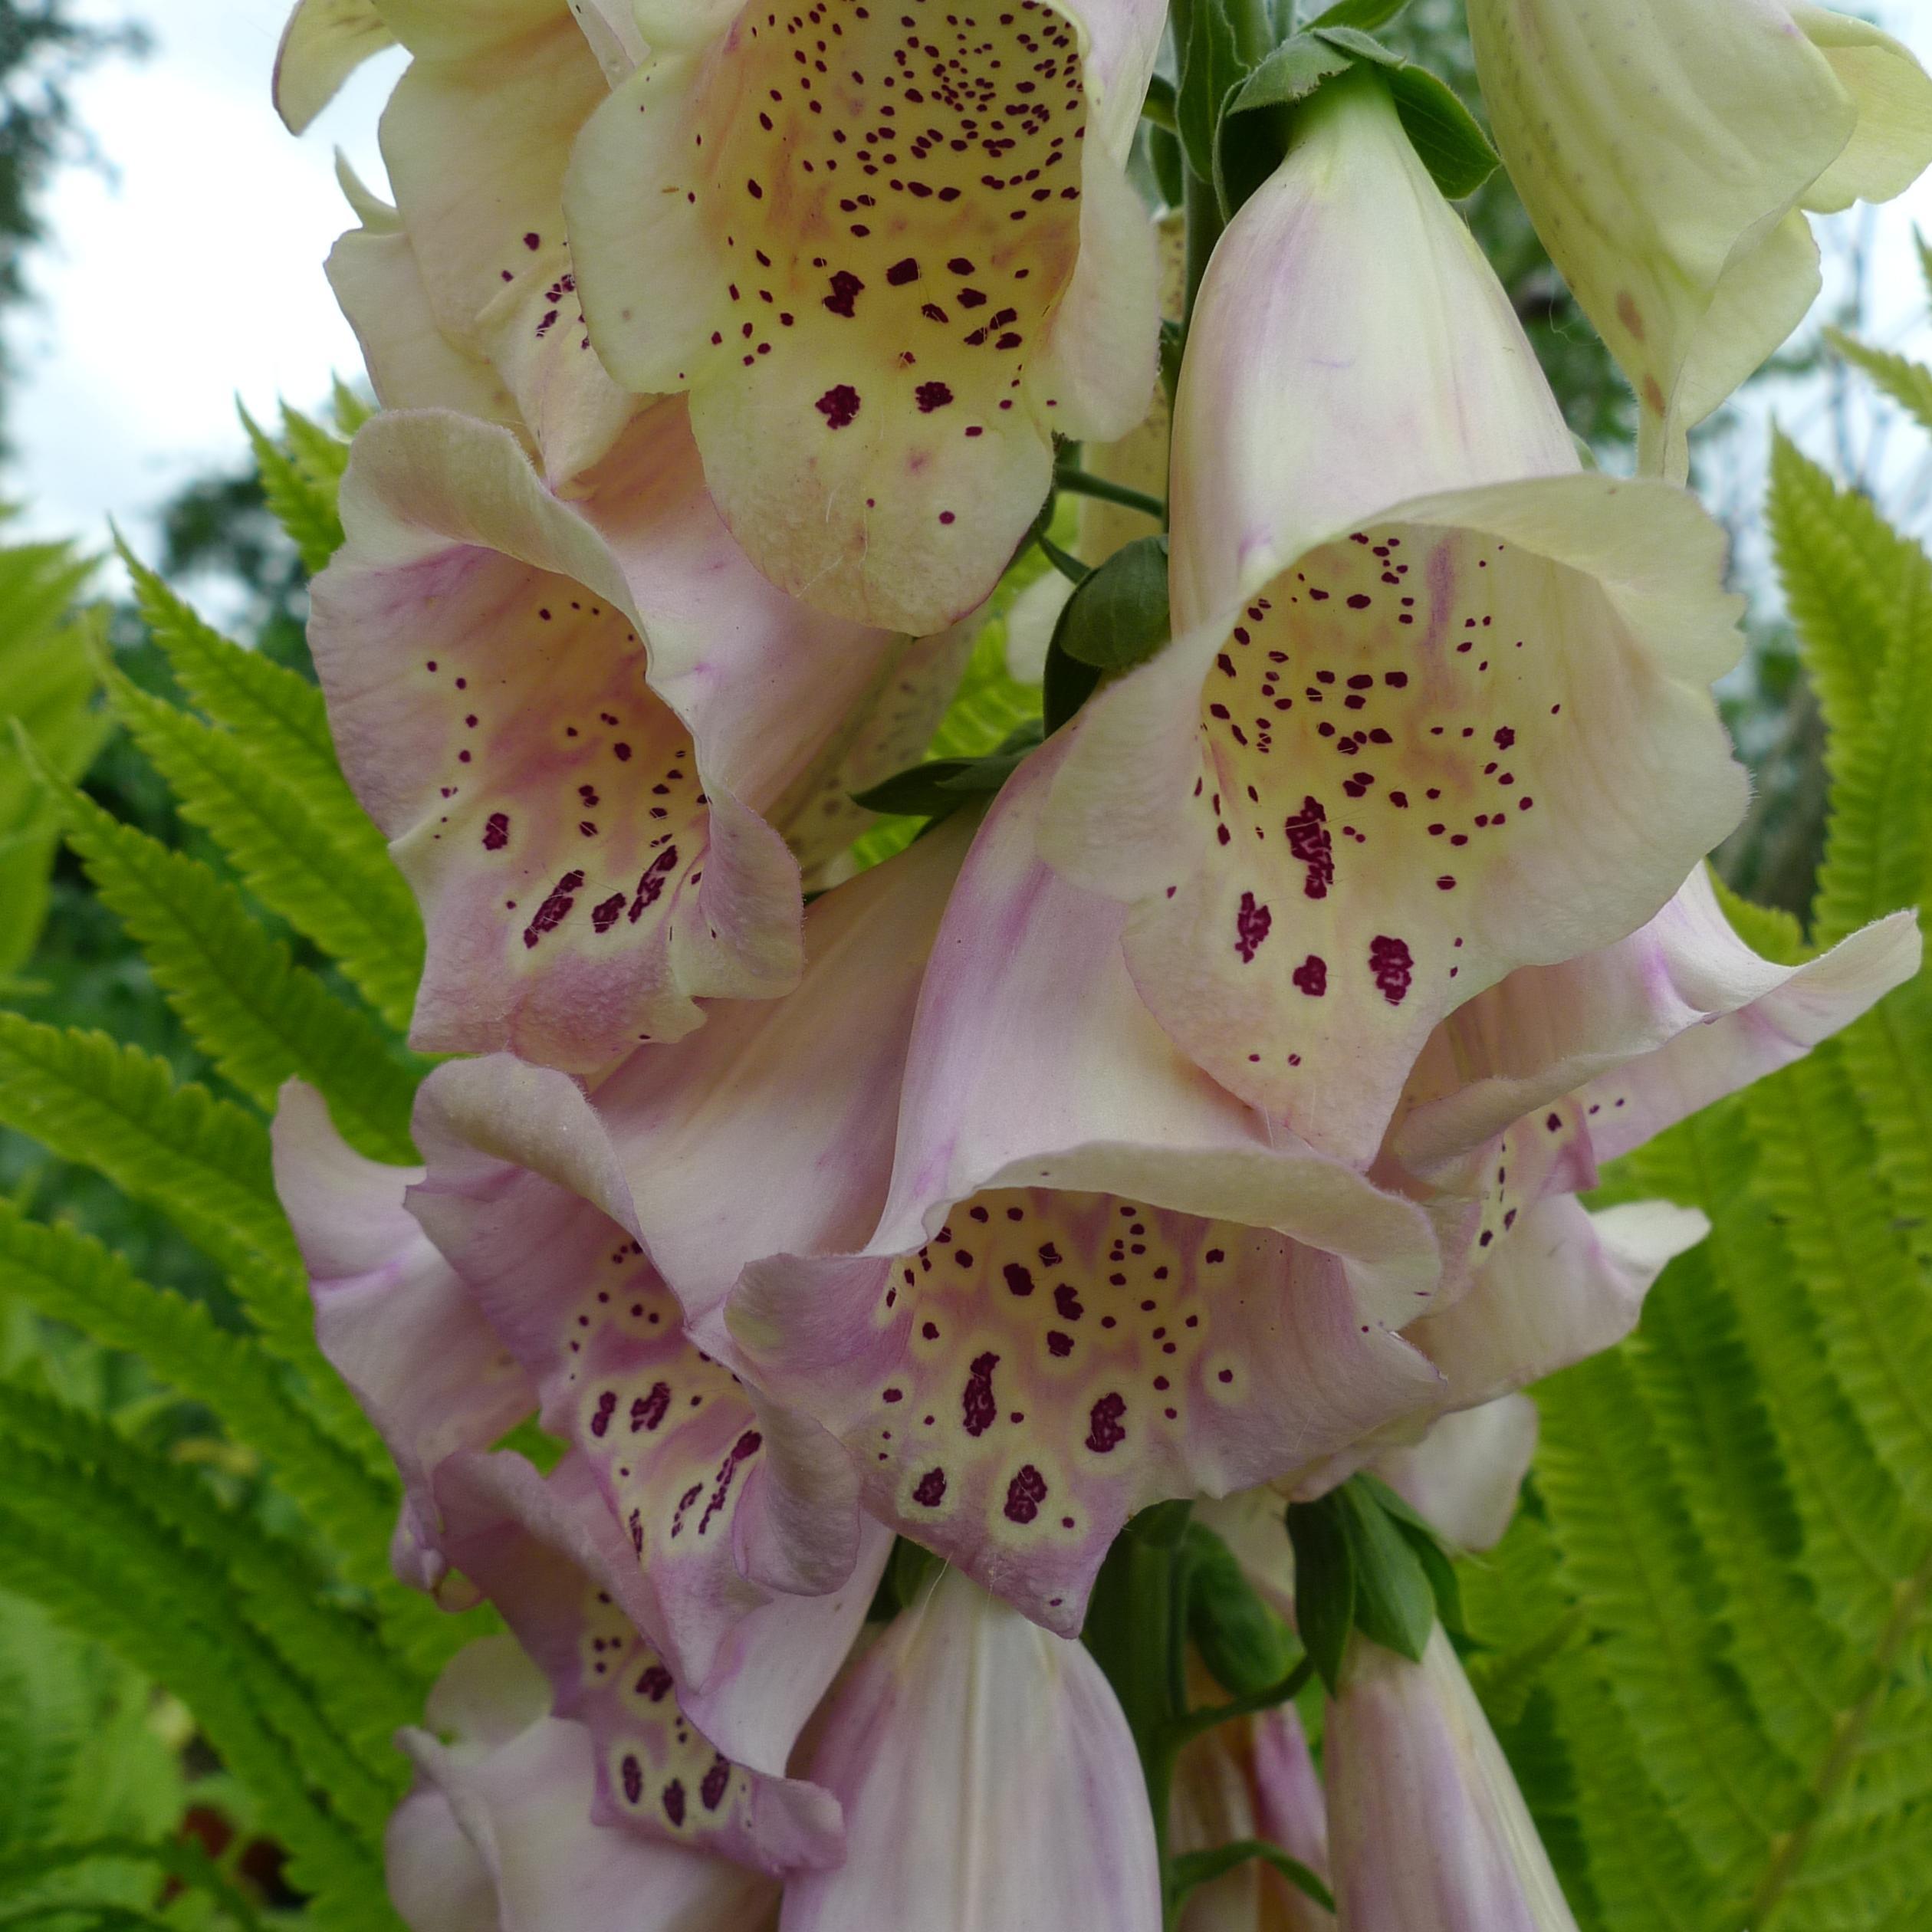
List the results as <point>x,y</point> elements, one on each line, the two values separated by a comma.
<point>1204,1115</point>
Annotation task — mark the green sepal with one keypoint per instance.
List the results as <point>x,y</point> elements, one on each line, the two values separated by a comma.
<point>939,787</point>
<point>1191,1869</point>
<point>1422,1539</point>
<point>1367,15</point>
<point>1445,134</point>
<point>1211,66</point>
<point>1395,1605</point>
<point>1325,1580</point>
<point>1119,617</point>
<point>1291,74</point>
<point>1244,1643</point>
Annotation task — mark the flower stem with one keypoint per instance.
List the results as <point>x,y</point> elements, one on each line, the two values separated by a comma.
<point>1078,483</point>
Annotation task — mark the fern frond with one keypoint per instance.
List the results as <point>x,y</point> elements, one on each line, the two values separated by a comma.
<point>196,1599</point>
<point>119,1594</point>
<point>1908,383</point>
<point>1852,583</point>
<point>71,1277</point>
<point>269,705</point>
<point>256,1014</point>
<point>203,1162</point>
<point>350,410</point>
<point>47,685</point>
<point>360,1689</point>
<point>1817,1175</point>
<point>302,504</point>
<point>324,871</point>
<point>185,1863</point>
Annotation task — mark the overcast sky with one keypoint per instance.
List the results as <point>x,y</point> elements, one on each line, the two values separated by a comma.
<point>196,274</point>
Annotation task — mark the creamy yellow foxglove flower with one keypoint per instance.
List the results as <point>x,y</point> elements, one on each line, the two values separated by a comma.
<point>1669,155</point>
<point>463,294</point>
<point>890,251</point>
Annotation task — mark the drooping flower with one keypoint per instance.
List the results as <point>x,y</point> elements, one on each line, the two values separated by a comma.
<point>516,1271</point>
<point>1426,1825</point>
<point>889,254</point>
<point>1429,684</point>
<point>582,726</point>
<point>463,293</point>
<point>1098,1280</point>
<point>1527,1089</point>
<point>989,1780</point>
<point>394,1320</point>
<point>496,1835</point>
<point>1251,1778</point>
<point>1669,155</point>
<point>705,1768</point>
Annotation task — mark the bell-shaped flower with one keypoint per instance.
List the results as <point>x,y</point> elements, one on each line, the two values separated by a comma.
<point>890,253</point>
<point>1252,1777</point>
<point>990,1784</point>
<point>1099,1279</point>
<point>702,1769</point>
<point>1524,1091</point>
<point>1437,706</point>
<point>1668,156</point>
<point>548,1210</point>
<point>464,294</point>
<point>582,726</point>
<point>1426,1825</point>
<point>497,1836</point>
<point>394,1320</point>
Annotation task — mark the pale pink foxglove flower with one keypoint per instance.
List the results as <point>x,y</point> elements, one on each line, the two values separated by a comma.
<point>989,1781</point>
<point>1437,703</point>
<point>1669,155</point>
<point>1426,1825</point>
<point>888,269</point>
<point>463,294</point>
<point>496,1835</point>
<point>582,726</point>
<point>704,1767</point>
<point>1252,1777</point>
<point>1098,1280</point>
<point>769,1128</point>
<point>1522,1093</point>
<point>394,1320</point>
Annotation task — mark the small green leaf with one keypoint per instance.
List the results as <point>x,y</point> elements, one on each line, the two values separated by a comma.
<point>1367,15</point>
<point>1291,73</point>
<point>1191,1869</point>
<point>1358,45</point>
<point>1244,1643</point>
<point>1119,617</point>
<point>1210,64</point>
<point>1395,1605</point>
<point>1325,1580</point>
<point>1454,148</point>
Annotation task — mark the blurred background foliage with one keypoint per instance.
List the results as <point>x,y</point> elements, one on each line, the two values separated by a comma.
<point>95,1753</point>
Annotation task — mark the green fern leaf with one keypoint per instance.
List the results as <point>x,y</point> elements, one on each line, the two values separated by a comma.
<point>182,1588</point>
<point>258,1016</point>
<point>281,714</point>
<point>201,1161</point>
<point>1908,383</point>
<point>326,872</point>
<point>304,504</point>
<point>144,1601</point>
<point>48,684</point>
<point>350,410</point>
<point>360,1689</point>
<point>1852,583</point>
<point>70,1277</point>
<point>184,1863</point>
